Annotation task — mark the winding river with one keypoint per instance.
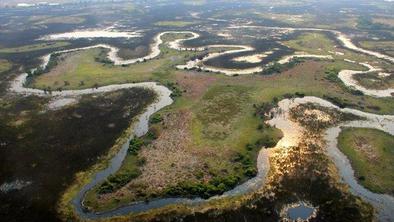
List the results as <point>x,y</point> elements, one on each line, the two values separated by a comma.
<point>141,126</point>
<point>345,75</point>
<point>291,130</point>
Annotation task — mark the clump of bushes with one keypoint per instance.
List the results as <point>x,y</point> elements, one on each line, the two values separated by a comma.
<point>332,75</point>
<point>135,145</point>
<point>248,166</point>
<point>103,58</point>
<point>156,118</point>
<point>266,141</point>
<point>151,135</point>
<point>176,91</point>
<point>216,186</point>
<point>263,108</point>
<point>278,68</point>
<point>356,92</point>
<point>338,101</point>
<point>117,181</point>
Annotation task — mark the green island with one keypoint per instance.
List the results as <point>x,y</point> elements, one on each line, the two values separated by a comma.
<point>371,153</point>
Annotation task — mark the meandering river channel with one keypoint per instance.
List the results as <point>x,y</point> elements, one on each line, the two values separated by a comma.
<point>383,203</point>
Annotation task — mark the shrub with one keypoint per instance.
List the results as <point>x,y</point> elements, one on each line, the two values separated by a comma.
<point>266,141</point>
<point>278,68</point>
<point>250,172</point>
<point>332,75</point>
<point>135,145</point>
<point>117,181</point>
<point>176,92</point>
<point>249,147</point>
<point>216,186</point>
<point>156,118</point>
<point>263,108</point>
<point>298,94</point>
<point>151,135</point>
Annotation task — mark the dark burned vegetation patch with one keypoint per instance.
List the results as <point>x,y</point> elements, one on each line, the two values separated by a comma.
<point>54,145</point>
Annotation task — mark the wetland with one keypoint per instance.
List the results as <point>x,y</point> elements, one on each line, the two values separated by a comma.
<point>178,111</point>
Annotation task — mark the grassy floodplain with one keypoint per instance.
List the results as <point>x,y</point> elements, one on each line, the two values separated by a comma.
<point>34,47</point>
<point>314,43</point>
<point>371,153</point>
<point>320,44</point>
<point>81,70</point>
<point>211,112</point>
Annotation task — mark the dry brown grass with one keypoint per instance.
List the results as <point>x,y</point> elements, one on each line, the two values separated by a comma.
<point>194,83</point>
<point>170,159</point>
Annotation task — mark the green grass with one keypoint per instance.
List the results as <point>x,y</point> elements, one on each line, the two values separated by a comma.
<point>4,65</point>
<point>84,71</point>
<point>89,72</point>
<point>175,23</point>
<point>375,173</point>
<point>219,107</point>
<point>224,119</point>
<point>314,43</point>
<point>34,47</point>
